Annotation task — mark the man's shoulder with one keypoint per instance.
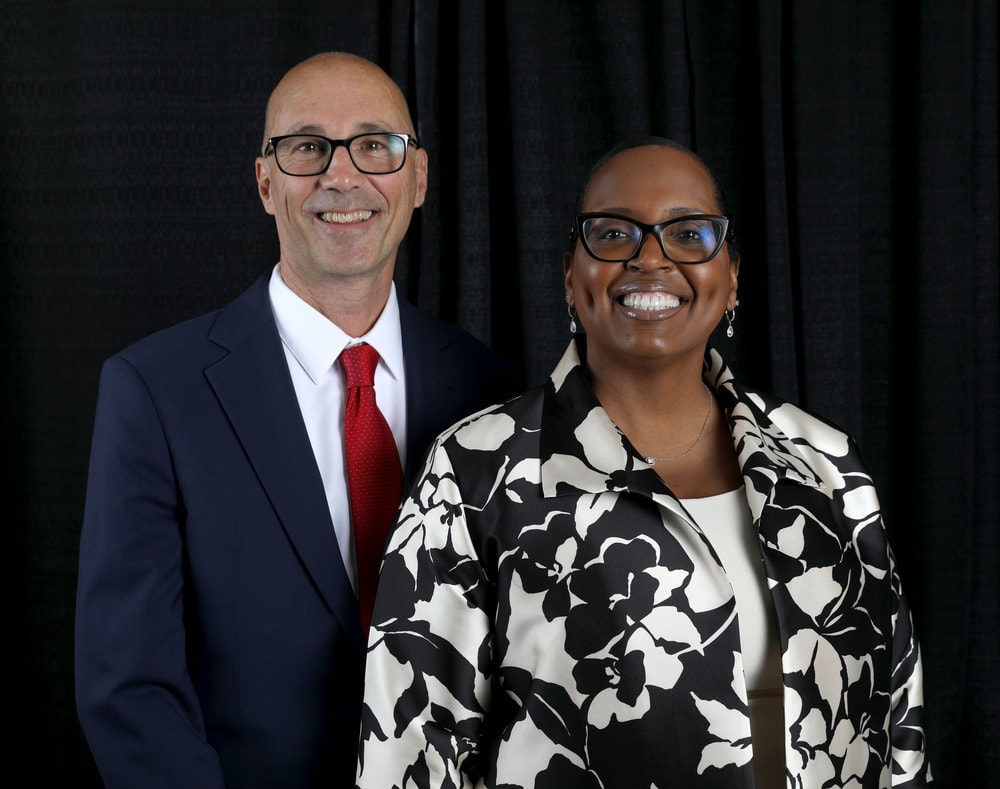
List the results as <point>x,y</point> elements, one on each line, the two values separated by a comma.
<point>425,332</point>
<point>206,333</point>
<point>434,329</point>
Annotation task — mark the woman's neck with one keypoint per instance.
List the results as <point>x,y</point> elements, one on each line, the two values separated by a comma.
<point>672,419</point>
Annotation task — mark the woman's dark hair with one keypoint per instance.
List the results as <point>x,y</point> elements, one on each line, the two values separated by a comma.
<point>641,142</point>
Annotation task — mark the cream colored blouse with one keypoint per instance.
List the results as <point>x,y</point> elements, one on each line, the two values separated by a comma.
<point>726,522</point>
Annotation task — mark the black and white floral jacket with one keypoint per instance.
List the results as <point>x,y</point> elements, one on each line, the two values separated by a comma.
<point>550,616</point>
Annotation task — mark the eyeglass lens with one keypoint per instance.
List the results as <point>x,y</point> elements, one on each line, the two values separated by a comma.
<point>683,240</point>
<point>305,154</point>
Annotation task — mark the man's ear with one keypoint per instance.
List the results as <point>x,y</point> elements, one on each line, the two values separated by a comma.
<point>263,173</point>
<point>422,160</point>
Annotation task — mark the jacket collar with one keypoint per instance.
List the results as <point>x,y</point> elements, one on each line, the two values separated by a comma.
<point>582,450</point>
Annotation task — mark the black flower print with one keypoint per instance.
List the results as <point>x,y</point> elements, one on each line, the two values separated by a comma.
<point>549,616</point>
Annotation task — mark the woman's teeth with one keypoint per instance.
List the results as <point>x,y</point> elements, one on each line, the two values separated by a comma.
<point>650,301</point>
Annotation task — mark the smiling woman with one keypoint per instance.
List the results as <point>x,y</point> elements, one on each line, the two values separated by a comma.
<point>602,582</point>
<point>648,296</point>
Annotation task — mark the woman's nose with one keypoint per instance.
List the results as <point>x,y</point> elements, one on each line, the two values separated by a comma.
<point>650,256</point>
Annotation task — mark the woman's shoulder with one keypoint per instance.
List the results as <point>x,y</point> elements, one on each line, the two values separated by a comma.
<point>519,412</point>
<point>794,419</point>
<point>809,442</point>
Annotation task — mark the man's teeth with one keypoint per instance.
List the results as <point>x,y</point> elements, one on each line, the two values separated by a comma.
<point>344,218</point>
<point>650,301</point>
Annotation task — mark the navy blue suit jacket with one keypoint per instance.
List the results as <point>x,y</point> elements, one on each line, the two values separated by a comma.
<point>218,641</point>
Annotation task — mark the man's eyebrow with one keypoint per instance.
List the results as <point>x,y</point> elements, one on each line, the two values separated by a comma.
<point>369,126</point>
<point>361,128</point>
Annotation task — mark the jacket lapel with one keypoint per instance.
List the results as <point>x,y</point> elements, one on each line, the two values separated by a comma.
<point>433,383</point>
<point>255,389</point>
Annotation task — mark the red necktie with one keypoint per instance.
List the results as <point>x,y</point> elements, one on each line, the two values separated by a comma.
<point>374,477</point>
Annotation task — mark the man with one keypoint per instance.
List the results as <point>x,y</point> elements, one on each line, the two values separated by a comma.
<point>219,639</point>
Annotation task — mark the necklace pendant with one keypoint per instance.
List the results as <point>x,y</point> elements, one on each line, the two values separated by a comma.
<point>651,461</point>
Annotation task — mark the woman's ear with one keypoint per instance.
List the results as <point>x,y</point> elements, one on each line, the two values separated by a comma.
<point>568,277</point>
<point>734,281</point>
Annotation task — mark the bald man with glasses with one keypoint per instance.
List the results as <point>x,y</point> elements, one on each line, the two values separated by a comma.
<point>221,615</point>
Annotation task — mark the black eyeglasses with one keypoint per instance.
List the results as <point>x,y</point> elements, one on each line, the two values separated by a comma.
<point>695,238</point>
<point>377,153</point>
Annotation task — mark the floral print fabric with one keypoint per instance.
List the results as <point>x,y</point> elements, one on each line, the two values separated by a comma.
<point>549,615</point>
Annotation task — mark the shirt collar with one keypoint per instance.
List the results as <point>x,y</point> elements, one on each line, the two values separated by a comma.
<point>315,341</point>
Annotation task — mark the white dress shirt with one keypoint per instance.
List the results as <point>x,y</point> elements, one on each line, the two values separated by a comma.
<point>312,346</point>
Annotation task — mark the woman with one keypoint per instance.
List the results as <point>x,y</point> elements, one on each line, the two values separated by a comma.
<point>642,573</point>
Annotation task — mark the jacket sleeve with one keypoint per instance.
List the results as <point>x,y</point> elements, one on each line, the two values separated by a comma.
<point>910,767</point>
<point>135,700</point>
<point>424,697</point>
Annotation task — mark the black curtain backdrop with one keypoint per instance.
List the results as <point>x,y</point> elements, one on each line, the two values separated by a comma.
<point>857,140</point>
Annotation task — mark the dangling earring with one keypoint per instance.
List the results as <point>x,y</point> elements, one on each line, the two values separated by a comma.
<point>572,319</point>
<point>730,314</point>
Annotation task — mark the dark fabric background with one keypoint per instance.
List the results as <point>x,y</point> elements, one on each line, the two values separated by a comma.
<point>857,141</point>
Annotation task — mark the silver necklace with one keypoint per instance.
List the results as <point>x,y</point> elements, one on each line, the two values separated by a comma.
<point>653,460</point>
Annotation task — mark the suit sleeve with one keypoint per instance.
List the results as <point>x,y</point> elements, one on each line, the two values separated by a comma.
<point>135,700</point>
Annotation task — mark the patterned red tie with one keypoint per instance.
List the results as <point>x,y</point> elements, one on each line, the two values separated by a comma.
<point>374,477</point>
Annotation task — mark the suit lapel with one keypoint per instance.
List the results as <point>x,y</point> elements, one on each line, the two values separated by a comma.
<point>434,385</point>
<point>256,392</point>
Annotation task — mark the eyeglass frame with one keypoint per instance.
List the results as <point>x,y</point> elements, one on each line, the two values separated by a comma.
<point>272,143</point>
<point>656,230</point>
